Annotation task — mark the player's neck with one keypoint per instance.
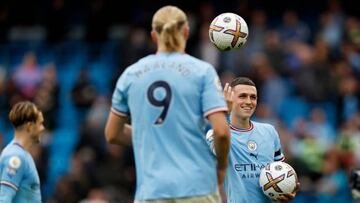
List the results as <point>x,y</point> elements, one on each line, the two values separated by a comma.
<point>162,49</point>
<point>240,123</point>
<point>23,139</point>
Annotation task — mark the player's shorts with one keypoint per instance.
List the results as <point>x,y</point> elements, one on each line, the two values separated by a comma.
<point>211,198</point>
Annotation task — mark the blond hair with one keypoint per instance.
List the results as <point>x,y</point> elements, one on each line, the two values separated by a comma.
<point>23,112</point>
<point>168,21</point>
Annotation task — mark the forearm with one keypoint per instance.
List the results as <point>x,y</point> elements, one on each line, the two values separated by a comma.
<point>222,145</point>
<point>221,134</point>
<point>123,138</point>
<point>117,130</point>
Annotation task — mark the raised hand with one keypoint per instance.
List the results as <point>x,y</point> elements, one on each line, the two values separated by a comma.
<point>229,96</point>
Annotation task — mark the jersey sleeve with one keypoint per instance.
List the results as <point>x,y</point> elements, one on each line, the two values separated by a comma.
<point>212,97</point>
<point>119,104</point>
<point>13,169</point>
<point>6,193</point>
<point>278,154</point>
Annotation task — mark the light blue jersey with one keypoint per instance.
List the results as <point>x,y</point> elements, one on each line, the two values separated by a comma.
<point>251,150</point>
<point>19,181</point>
<point>168,96</point>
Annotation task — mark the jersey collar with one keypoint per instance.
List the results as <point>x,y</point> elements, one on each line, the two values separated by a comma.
<point>242,129</point>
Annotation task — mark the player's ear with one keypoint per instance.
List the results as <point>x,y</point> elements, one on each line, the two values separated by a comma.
<point>154,36</point>
<point>28,126</point>
<point>186,32</point>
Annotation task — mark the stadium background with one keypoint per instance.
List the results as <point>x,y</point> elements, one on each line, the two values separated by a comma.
<point>66,56</point>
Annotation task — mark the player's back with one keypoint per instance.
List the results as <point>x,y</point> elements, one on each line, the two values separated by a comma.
<point>168,97</point>
<point>18,171</point>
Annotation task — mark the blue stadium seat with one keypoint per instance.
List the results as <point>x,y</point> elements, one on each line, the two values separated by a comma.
<point>330,110</point>
<point>293,108</point>
<point>63,143</point>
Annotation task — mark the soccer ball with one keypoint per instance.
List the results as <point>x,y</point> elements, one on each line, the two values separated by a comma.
<point>228,31</point>
<point>277,178</point>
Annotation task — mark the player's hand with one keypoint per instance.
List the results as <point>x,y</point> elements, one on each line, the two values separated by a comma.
<point>229,96</point>
<point>221,176</point>
<point>288,197</point>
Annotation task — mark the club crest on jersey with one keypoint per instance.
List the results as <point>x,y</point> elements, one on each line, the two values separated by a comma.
<point>14,162</point>
<point>252,146</point>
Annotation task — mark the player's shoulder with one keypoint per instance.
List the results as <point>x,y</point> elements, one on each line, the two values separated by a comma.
<point>12,150</point>
<point>14,156</point>
<point>263,126</point>
<point>198,62</point>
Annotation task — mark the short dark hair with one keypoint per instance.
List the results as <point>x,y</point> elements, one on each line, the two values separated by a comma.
<point>242,81</point>
<point>23,112</point>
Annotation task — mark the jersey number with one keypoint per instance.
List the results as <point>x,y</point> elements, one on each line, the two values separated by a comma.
<point>165,102</point>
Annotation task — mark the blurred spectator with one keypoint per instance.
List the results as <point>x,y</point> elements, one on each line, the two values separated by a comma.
<point>65,191</point>
<point>206,50</point>
<point>320,129</point>
<point>312,78</point>
<point>348,103</point>
<point>92,129</point>
<point>226,77</point>
<point>119,161</point>
<point>293,29</point>
<point>47,96</point>
<point>349,142</point>
<point>28,76</point>
<point>352,55</point>
<point>83,93</point>
<point>265,114</point>
<point>332,25</point>
<point>307,150</point>
<point>272,88</point>
<point>135,45</point>
<point>275,52</point>
<point>352,31</point>
<point>74,186</point>
<point>258,25</point>
<point>334,185</point>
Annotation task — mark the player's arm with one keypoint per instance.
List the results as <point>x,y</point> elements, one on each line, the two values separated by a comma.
<point>7,193</point>
<point>12,172</point>
<point>117,131</point>
<point>221,136</point>
<point>279,156</point>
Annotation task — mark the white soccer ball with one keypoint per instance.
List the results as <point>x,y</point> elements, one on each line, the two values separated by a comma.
<point>228,31</point>
<point>277,178</point>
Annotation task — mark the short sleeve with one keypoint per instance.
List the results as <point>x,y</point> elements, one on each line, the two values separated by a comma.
<point>13,169</point>
<point>212,97</point>
<point>120,96</point>
<point>278,154</point>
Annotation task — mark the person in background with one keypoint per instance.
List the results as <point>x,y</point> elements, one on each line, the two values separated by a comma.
<point>19,179</point>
